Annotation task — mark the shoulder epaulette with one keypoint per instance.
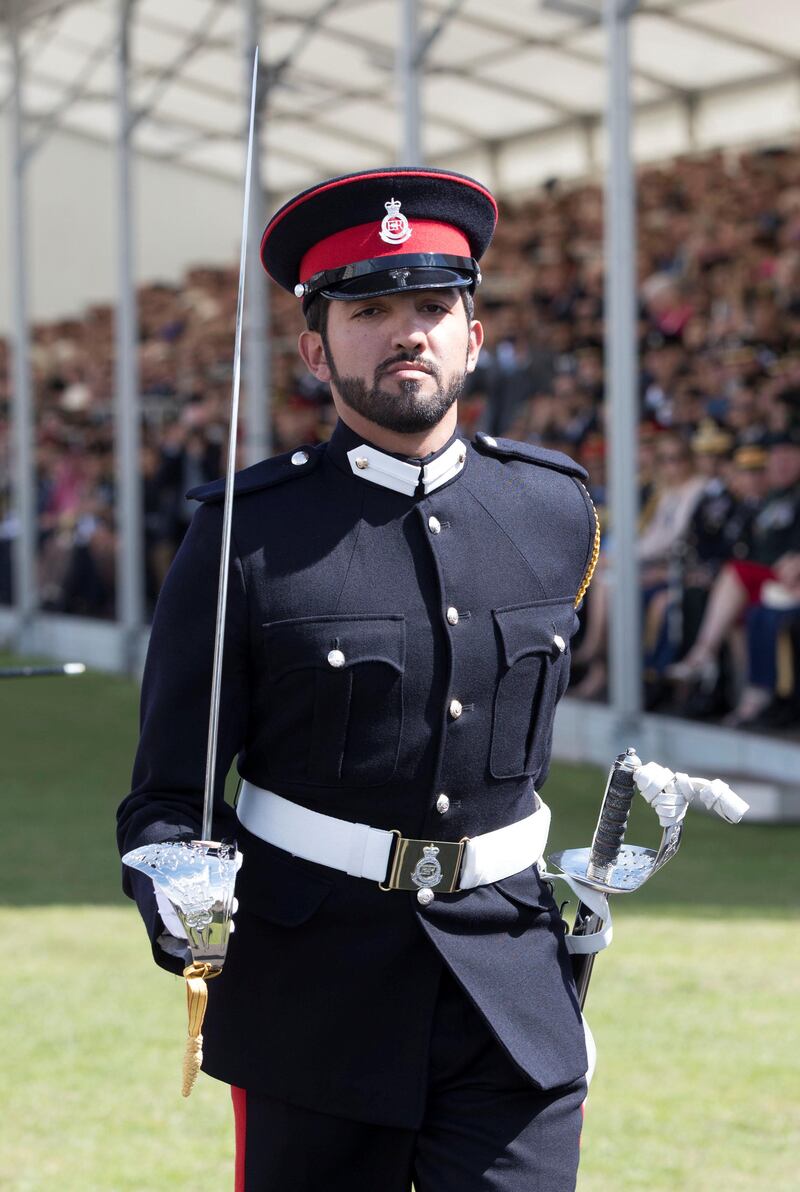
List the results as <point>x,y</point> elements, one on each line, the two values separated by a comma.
<point>265,474</point>
<point>530,453</point>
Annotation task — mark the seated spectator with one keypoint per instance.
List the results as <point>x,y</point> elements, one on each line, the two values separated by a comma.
<point>665,521</point>
<point>706,547</point>
<point>774,536</point>
<point>771,697</point>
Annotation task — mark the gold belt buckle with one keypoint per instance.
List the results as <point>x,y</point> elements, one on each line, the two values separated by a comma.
<point>433,865</point>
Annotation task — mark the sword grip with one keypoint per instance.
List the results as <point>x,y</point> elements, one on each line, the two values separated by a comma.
<point>613,821</point>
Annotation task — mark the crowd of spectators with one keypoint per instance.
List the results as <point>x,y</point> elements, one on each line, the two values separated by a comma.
<point>719,436</point>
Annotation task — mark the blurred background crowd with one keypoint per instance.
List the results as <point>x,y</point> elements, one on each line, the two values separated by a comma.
<point>719,434</point>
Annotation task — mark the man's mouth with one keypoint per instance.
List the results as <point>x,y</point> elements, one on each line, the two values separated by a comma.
<point>406,369</point>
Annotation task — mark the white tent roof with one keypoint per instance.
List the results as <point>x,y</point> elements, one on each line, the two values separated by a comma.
<point>513,92</point>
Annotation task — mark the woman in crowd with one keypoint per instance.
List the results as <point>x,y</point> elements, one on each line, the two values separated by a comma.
<point>664,523</point>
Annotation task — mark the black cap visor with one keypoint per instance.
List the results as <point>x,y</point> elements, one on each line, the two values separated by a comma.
<point>381,276</point>
<point>394,281</point>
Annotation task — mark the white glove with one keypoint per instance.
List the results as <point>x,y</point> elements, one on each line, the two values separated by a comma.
<point>169,916</point>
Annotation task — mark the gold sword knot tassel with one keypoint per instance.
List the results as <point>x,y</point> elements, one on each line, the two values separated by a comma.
<point>197,999</point>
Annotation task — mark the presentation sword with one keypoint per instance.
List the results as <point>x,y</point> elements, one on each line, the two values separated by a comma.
<point>195,879</point>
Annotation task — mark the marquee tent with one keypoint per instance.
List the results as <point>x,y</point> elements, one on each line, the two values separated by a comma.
<point>512,91</point>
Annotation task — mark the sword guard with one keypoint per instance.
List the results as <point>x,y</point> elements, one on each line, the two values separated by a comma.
<point>633,867</point>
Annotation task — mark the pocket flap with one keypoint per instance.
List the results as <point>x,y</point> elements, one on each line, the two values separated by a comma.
<point>276,886</point>
<point>335,642</point>
<point>527,889</point>
<point>535,628</point>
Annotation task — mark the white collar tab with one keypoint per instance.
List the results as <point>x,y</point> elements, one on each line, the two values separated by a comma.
<point>379,468</point>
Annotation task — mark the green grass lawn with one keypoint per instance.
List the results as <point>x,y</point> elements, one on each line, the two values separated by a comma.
<point>694,1007</point>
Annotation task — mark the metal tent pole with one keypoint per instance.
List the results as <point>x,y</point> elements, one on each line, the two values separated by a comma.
<point>622,375</point>
<point>257,356</point>
<point>130,544</point>
<point>408,62</point>
<point>23,469</point>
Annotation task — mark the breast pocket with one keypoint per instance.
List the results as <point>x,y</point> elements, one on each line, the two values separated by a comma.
<point>335,698</point>
<point>533,641</point>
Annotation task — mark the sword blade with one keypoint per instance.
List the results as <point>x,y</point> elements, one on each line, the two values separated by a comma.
<point>227,516</point>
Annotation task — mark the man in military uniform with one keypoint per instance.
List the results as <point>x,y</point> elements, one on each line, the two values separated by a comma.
<point>397,1001</point>
<point>706,545</point>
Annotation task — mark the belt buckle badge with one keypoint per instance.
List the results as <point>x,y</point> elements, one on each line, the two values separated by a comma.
<point>424,865</point>
<point>428,871</point>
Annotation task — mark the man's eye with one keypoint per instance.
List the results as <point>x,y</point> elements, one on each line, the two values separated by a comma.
<point>365,311</point>
<point>435,307</point>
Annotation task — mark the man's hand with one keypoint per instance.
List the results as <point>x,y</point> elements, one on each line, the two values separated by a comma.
<point>169,916</point>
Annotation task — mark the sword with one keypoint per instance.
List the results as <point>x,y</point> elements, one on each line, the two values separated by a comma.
<point>198,877</point>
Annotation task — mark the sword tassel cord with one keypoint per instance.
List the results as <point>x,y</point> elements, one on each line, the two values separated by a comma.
<point>197,1000</point>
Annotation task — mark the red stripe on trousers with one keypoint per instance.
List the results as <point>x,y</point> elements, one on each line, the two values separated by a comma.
<point>239,1098</point>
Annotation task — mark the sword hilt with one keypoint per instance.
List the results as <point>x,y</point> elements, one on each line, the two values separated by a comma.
<point>612,822</point>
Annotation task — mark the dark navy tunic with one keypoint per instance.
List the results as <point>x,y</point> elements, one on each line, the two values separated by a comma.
<point>328,991</point>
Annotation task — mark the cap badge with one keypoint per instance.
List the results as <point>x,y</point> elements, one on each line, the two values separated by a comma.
<point>394,226</point>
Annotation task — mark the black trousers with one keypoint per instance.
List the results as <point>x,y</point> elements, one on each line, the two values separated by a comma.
<point>485,1128</point>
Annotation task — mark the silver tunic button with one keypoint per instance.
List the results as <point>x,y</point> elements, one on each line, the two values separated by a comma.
<point>559,643</point>
<point>434,525</point>
<point>362,463</point>
<point>455,708</point>
<point>425,897</point>
<point>336,658</point>
<point>489,441</point>
<point>452,615</point>
<point>442,804</point>
<point>300,457</point>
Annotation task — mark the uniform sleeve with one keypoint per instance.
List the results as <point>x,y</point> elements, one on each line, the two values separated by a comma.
<point>166,799</point>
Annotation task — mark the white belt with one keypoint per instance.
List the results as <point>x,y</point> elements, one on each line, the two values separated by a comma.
<point>394,861</point>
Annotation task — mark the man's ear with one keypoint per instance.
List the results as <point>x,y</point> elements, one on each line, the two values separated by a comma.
<point>475,344</point>
<point>312,352</point>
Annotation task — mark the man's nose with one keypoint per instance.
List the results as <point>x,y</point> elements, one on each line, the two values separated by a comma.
<point>408,335</point>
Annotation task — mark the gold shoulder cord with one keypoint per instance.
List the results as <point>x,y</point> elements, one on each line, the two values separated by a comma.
<point>587,579</point>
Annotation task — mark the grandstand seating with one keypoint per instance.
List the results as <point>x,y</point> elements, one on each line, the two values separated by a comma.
<point>719,332</point>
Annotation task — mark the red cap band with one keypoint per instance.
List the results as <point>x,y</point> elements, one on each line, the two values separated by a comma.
<point>364,242</point>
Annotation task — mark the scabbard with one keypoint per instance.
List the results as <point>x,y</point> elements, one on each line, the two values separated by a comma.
<point>587,922</point>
